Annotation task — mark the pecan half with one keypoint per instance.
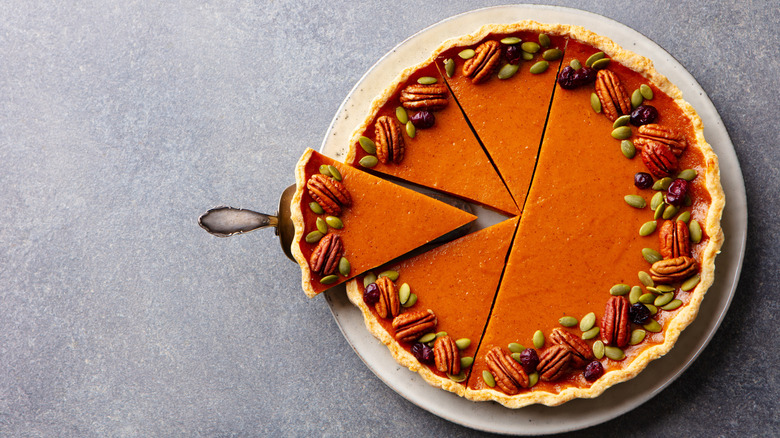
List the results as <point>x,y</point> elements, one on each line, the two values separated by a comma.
<point>389,305</point>
<point>484,62</point>
<point>614,99</point>
<point>661,134</point>
<point>420,97</point>
<point>509,374</point>
<point>675,239</point>
<point>389,141</point>
<point>410,326</point>
<point>673,270</point>
<point>554,362</point>
<point>659,159</point>
<point>615,323</point>
<point>447,355</point>
<point>325,258</point>
<point>329,193</point>
<point>581,352</point>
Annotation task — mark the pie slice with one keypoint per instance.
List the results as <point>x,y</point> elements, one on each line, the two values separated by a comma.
<point>444,156</point>
<point>348,221</point>
<point>453,285</point>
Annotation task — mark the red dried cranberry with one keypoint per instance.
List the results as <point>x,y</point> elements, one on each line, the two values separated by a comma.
<point>643,114</point>
<point>584,76</point>
<point>566,78</point>
<point>529,360</point>
<point>423,119</point>
<point>593,371</point>
<point>371,294</point>
<point>638,313</point>
<point>513,54</point>
<point>422,352</point>
<point>643,180</point>
<point>675,195</point>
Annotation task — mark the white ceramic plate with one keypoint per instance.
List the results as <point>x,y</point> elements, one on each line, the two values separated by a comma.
<point>576,414</point>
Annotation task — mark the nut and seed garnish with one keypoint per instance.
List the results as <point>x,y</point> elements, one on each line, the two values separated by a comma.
<point>466,54</point>
<point>657,200</point>
<point>371,293</point>
<point>540,67</point>
<point>595,103</point>
<point>334,172</point>
<point>612,95</point>
<point>648,228</point>
<point>483,63</point>
<point>530,47</point>
<point>514,347</point>
<point>544,40</point>
<point>369,161</point>
<point>685,217</point>
<point>322,226</point>
<point>334,222</point>
<point>594,57</point>
<point>401,115</point>
<point>466,362</point>
<point>687,174</point>
<point>690,283</point>
<point>621,133</point>
<point>635,201</point>
<point>463,343</point>
<point>587,322</point>
<point>673,305</point>
<point>404,292</point>
<point>508,70</point>
<point>488,378</point>
<point>411,301</point>
<point>673,270</point>
<point>538,339</point>
<point>645,279</point>
<point>670,211</point>
<point>651,255</point>
<point>695,231</point>
<point>389,141</point>
<point>629,151</point>
<point>330,194</point>
<point>662,184</point>
<point>325,170</point>
<point>552,54</point>
<point>646,91</point>
<point>315,208</point>
<point>575,64</point>
<point>659,212</point>
<point>598,349</point>
<point>593,371</point>
<point>633,296</point>
<point>581,352</point>
<point>619,289</point>
<point>507,373</point>
<point>601,63</point>
<point>344,267</point>
<point>329,279</point>
<point>446,355</point>
<point>388,305</point>
<point>449,67</point>
<point>636,99</point>
<point>653,326</point>
<point>554,363</point>
<point>426,80</point>
<point>367,144</point>
<point>368,279</point>
<point>528,359</point>
<point>615,323</point>
<point>621,121</point>
<point>638,313</point>
<point>567,321</point>
<point>614,353</point>
<point>663,299</point>
<point>510,40</point>
<point>392,275</point>
<point>674,239</point>
<point>590,334</point>
<point>411,131</point>
<point>314,236</point>
<point>410,326</point>
<point>430,97</point>
<point>326,256</point>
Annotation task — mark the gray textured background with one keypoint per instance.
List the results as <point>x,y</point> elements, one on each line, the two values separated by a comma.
<point>120,122</point>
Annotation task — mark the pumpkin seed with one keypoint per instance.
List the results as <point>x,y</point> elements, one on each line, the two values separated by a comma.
<point>687,174</point>
<point>645,279</point>
<point>690,283</point>
<point>369,161</point>
<point>651,255</point>
<point>344,267</point>
<point>598,349</point>
<point>593,58</point>
<point>633,296</point>
<point>368,279</point>
<point>621,121</point>
<point>657,200</point>
<point>575,64</point>
<point>411,131</point>
<point>530,47</point>
<point>510,40</point>
<point>568,321</point>
<point>314,236</point>
<point>322,226</point>
<point>330,279</point>
<point>324,169</point>
<point>590,334</point>
<point>614,353</point>
<point>514,347</point>
<point>653,310</point>
<point>544,40</point>
<point>463,343</point>
<point>662,184</point>
<point>449,67</point>
<point>619,289</point>
<point>621,133</point>
<point>628,149</point>
<point>467,54</point>
<point>674,304</point>
<point>533,379</point>
<point>427,80</point>
<point>684,217</point>
<point>367,144</point>
<point>458,378</point>
<point>404,292</point>
<point>441,334</point>
<point>538,339</point>
<point>670,211</point>
<point>334,173</point>
<point>428,337</point>
<point>637,336</point>
<point>526,56</point>
<point>646,91</point>
<point>646,298</point>
<point>654,290</point>
<point>540,67</point>
<point>516,357</point>
<point>659,211</point>
<point>648,228</point>
<point>552,54</point>
<point>334,222</point>
<point>411,301</point>
<point>392,275</point>
<point>466,362</point>
<point>600,64</point>
<point>695,231</point>
<point>635,201</point>
<point>664,288</point>
<point>316,208</point>
<point>653,326</point>
<point>508,70</point>
<point>488,378</point>
<point>595,103</point>
<point>664,299</point>
<point>587,322</point>
<point>636,98</point>
<point>401,115</point>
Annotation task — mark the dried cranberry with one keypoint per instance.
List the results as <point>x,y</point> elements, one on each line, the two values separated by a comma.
<point>643,180</point>
<point>643,114</point>
<point>513,54</point>
<point>423,119</point>
<point>566,78</point>
<point>593,371</point>
<point>584,76</point>
<point>638,313</point>
<point>675,195</point>
<point>422,352</point>
<point>529,360</point>
<point>371,294</point>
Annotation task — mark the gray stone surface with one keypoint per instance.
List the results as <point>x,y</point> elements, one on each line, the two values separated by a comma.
<point>120,122</point>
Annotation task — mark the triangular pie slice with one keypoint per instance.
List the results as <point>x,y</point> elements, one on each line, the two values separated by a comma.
<point>366,221</point>
<point>456,283</point>
<point>444,156</point>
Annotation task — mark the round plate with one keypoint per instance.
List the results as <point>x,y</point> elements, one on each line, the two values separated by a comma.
<point>619,399</point>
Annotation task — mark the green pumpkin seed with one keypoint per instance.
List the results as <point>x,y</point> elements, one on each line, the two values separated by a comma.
<point>449,67</point>
<point>334,173</point>
<point>526,56</point>
<point>316,208</point>
<point>330,279</point>
<point>654,290</point>
<point>614,353</point>
<point>659,211</point>
<point>664,299</point>
<point>404,292</point>
<point>516,357</point>
<point>600,64</point>
<point>540,67</point>
<point>314,236</point>
<point>636,98</point>
<point>508,70</point>
<point>514,347</point>
<point>653,326</point>
<point>687,201</point>
<point>466,362</point>
<point>664,288</point>
<point>647,298</point>
<point>552,54</point>
<point>367,144</point>
<point>635,201</point>
<point>568,321</point>
<point>369,161</point>
<point>325,169</point>
<point>657,200</point>
<point>651,255</point>
<point>670,211</point>
<point>463,343</point>
<point>467,54</point>
<point>690,283</point>
<point>645,279</point>
<point>530,47</point>
<point>695,231</point>
<point>411,131</point>
<point>344,267</point>
<point>662,184</point>
<point>538,339</point>
<point>411,301</point>
<point>533,379</point>
<point>428,337</point>
<point>488,378</point>
<point>322,226</point>
<point>575,64</point>
<point>646,91</point>
<point>619,289</point>
<point>587,322</point>
<point>637,336</point>
<point>621,121</point>
<point>687,174</point>
<point>598,349</point>
<point>544,40</point>
<point>595,103</point>
<point>441,334</point>
<point>392,275</point>
<point>401,115</point>
<point>593,58</point>
<point>633,296</point>
<point>648,228</point>
<point>653,310</point>
<point>674,304</point>
<point>334,222</point>
<point>590,334</point>
<point>368,279</point>
<point>684,217</point>
<point>628,149</point>
<point>510,40</point>
<point>458,378</point>
<point>621,132</point>
<point>427,80</point>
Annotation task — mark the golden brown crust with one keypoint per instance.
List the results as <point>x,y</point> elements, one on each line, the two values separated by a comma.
<point>296,215</point>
